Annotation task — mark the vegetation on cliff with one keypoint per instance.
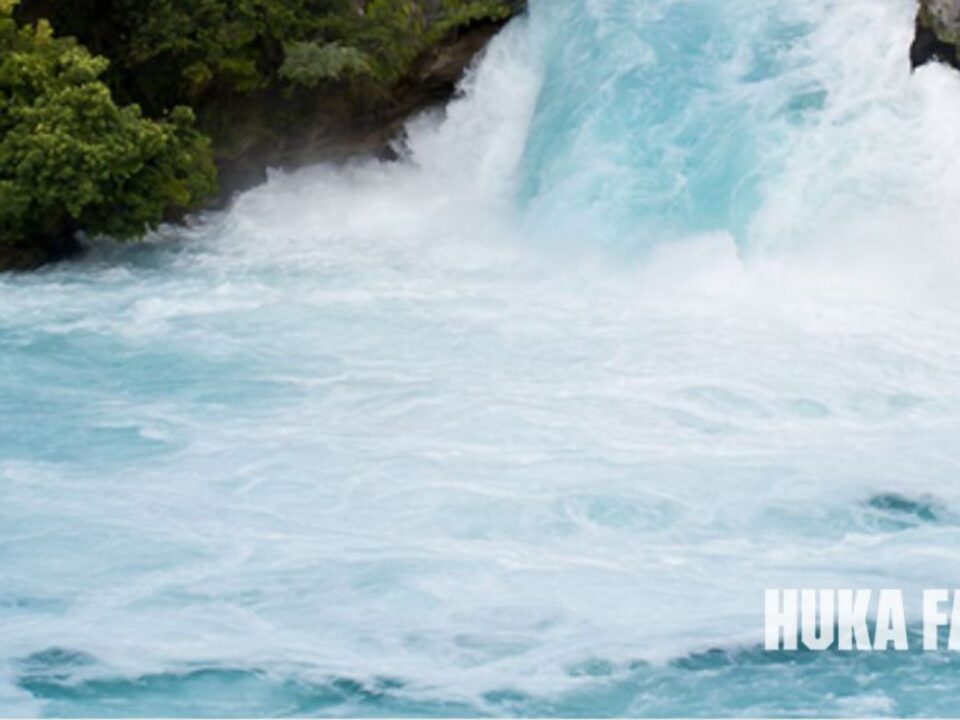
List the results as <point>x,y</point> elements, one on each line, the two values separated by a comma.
<point>169,52</point>
<point>111,111</point>
<point>71,158</point>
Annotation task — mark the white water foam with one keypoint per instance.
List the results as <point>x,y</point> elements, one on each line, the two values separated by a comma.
<point>409,420</point>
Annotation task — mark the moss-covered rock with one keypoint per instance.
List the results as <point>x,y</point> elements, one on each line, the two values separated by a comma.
<point>937,33</point>
<point>275,127</point>
<point>943,17</point>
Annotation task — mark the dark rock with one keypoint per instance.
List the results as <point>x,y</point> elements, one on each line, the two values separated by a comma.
<point>937,33</point>
<point>340,128</point>
<point>38,252</point>
<point>927,47</point>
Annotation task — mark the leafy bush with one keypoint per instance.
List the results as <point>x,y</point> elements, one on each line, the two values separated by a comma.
<point>72,159</point>
<point>166,52</point>
<point>309,63</point>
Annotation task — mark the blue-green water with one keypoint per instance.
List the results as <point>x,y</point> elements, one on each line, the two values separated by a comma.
<point>661,313</point>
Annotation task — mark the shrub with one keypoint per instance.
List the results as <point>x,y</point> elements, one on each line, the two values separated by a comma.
<point>72,159</point>
<point>309,63</point>
<point>166,52</point>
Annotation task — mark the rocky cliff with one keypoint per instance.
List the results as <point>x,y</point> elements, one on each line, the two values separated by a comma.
<point>337,127</point>
<point>117,115</point>
<point>282,82</point>
<point>938,33</point>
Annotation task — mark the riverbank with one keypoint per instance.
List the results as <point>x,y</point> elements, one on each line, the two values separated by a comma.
<point>116,117</point>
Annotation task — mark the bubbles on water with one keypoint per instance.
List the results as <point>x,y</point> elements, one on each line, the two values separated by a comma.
<point>437,437</point>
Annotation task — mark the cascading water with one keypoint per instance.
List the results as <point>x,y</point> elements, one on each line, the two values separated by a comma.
<point>661,313</point>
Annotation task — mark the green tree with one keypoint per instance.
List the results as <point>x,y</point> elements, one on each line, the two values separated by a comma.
<point>203,52</point>
<point>72,159</point>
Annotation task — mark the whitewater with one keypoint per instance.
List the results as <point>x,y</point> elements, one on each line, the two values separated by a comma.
<point>660,312</point>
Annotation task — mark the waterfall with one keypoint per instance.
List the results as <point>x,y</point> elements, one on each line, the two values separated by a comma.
<point>652,317</point>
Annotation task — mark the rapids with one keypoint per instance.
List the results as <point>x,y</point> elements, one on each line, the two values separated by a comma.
<point>661,312</point>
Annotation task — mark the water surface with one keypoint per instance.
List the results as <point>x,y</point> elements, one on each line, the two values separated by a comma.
<point>660,313</point>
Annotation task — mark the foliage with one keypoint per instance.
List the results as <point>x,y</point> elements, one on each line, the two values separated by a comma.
<point>71,158</point>
<point>308,63</point>
<point>166,52</point>
<point>459,13</point>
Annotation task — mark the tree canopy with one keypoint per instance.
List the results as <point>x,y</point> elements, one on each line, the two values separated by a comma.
<point>166,52</point>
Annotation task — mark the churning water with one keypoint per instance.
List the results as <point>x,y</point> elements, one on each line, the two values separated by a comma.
<point>663,311</point>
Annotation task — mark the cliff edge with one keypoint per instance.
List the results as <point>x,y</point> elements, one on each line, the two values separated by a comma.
<point>937,34</point>
<point>116,116</point>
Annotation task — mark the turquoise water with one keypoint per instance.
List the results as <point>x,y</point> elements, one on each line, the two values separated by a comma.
<point>660,313</point>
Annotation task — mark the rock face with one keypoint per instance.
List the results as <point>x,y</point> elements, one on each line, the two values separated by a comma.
<point>938,33</point>
<point>335,130</point>
<point>943,16</point>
